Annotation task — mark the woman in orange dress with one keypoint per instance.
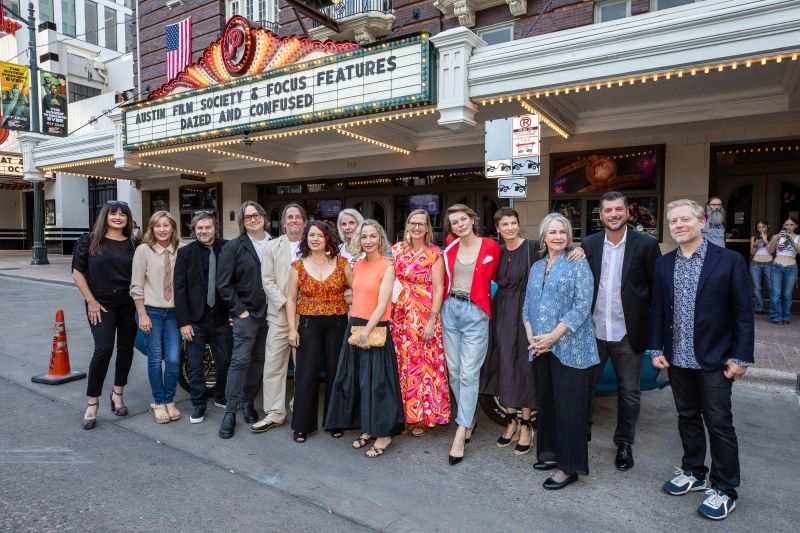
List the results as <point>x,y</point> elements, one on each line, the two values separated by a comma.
<point>416,328</point>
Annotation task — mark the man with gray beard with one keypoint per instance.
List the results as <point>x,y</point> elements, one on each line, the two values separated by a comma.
<point>714,230</point>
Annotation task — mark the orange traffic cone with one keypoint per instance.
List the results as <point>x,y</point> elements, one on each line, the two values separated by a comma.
<point>59,371</point>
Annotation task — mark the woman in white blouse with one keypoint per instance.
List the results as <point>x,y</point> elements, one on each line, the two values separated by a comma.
<point>151,290</point>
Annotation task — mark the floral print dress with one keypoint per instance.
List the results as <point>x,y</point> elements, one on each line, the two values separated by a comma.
<point>421,365</point>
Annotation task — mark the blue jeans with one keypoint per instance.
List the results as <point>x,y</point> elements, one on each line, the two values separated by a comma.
<point>760,271</point>
<point>465,332</point>
<point>782,279</point>
<point>162,343</point>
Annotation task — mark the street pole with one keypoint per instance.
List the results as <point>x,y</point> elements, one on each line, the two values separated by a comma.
<point>39,247</point>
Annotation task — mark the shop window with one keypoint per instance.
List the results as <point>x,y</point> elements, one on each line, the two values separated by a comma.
<point>756,154</point>
<point>369,183</point>
<point>159,201</point>
<point>324,210</point>
<point>416,181</point>
<point>578,180</point>
<point>611,10</point>
<point>466,176</point>
<point>432,203</point>
<point>497,33</point>
<point>658,5</point>
<point>193,199</point>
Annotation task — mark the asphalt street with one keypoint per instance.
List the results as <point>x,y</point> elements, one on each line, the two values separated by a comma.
<point>131,474</point>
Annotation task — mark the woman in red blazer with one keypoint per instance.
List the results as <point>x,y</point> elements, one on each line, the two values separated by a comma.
<point>470,266</point>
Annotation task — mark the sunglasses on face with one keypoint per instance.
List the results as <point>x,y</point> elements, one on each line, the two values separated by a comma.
<point>117,202</point>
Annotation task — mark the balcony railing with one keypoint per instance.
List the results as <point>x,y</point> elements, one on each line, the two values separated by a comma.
<point>274,27</point>
<point>349,8</point>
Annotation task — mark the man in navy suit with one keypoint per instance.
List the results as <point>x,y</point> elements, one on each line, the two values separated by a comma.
<point>702,332</point>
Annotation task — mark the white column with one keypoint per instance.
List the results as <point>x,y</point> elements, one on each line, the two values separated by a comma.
<point>455,47</point>
<point>122,159</point>
<point>27,143</point>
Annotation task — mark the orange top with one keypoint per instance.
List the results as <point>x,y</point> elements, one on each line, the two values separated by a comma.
<point>367,278</point>
<point>324,297</point>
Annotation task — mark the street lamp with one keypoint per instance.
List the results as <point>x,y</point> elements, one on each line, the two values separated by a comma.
<point>39,248</point>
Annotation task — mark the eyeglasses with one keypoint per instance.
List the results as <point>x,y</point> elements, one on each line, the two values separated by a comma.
<point>204,213</point>
<point>117,202</point>
<point>254,217</point>
<point>416,225</point>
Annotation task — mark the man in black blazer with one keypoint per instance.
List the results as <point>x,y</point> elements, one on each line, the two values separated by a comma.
<point>239,284</point>
<point>201,312</point>
<point>622,261</point>
<point>702,332</point>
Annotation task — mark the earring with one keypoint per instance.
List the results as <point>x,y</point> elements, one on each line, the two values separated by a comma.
<point>328,253</point>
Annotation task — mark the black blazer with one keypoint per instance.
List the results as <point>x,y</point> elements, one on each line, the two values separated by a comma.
<point>638,264</point>
<point>239,278</point>
<point>190,282</point>
<point>723,314</point>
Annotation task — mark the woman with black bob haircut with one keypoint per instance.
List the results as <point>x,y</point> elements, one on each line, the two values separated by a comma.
<point>316,323</point>
<point>102,262</point>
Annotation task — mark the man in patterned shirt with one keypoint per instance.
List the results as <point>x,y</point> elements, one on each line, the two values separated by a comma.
<point>702,332</point>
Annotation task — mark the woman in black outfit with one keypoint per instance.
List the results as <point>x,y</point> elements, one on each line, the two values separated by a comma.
<point>507,372</point>
<point>101,267</point>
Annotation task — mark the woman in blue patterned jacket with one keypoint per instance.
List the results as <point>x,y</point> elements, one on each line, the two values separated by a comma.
<point>558,322</point>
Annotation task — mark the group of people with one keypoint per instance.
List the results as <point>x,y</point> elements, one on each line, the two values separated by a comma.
<point>398,327</point>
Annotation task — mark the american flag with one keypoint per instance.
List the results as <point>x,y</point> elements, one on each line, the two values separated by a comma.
<point>179,46</point>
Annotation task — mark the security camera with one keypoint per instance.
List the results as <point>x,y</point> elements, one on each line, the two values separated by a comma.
<point>246,140</point>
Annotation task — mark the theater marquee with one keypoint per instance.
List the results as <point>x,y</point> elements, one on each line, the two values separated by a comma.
<point>391,75</point>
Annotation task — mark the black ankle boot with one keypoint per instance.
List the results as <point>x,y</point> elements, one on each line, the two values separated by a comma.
<point>249,412</point>
<point>226,430</point>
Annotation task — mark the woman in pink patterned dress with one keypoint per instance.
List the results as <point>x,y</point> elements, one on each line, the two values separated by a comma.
<point>416,327</point>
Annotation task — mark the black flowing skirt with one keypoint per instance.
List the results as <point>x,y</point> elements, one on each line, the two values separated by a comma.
<point>366,391</point>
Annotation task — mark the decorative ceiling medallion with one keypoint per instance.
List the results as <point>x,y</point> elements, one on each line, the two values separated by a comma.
<point>246,49</point>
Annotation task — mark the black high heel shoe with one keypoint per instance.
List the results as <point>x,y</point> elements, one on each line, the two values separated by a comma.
<point>119,411</point>
<point>454,460</point>
<point>472,431</point>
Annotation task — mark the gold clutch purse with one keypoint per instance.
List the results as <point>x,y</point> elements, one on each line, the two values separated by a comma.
<point>377,337</point>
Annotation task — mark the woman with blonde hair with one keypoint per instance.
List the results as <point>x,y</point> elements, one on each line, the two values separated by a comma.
<point>366,390</point>
<point>417,328</point>
<point>151,290</point>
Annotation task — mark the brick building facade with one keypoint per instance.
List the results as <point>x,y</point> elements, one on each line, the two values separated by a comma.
<point>209,17</point>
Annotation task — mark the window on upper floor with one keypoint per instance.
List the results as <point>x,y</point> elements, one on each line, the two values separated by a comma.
<point>68,17</point>
<point>46,11</point>
<point>497,33</point>
<point>611,10</point>
<point>658,5</point>
<point>128,33</point>
<point>90,9</point>
<point>110,23</point>
<point>78,92</point>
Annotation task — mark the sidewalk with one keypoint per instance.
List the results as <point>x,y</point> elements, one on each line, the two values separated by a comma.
<point>777,347</point>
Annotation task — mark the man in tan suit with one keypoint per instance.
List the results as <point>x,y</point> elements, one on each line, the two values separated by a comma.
<point>275,268</point>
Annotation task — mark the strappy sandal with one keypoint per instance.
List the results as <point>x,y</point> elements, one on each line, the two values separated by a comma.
<point>299,437</point>
<point>174,414</point>
<point>337,433</point>
<point>162,416</point>
<point>119,411</point>
<point>503,442</point>
<point>419,429</point>
<point>361,441</point>
<point>376,452</point>
<point>89,423</point>
<point>520,449</point>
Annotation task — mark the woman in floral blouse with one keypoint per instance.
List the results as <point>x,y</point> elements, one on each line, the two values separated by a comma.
<point>317,322</point>
<point>558,322</point>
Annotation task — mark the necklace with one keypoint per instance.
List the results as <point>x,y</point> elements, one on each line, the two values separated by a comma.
<point>318,264</point>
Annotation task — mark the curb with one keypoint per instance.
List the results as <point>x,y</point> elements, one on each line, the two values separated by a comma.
<point>775,378</point>
<point>39,280</point>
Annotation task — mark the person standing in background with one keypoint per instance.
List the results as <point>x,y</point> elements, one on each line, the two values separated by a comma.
<point>276,267</point>
<point>622,262</point>
<point>347,224</point>
<point>783,275</point>
<point>239,285</point>
<point>201,312</point>
<point>761,263</point>
<point>714,229</point>
<point>152,292</point>
<point>102,263</point>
